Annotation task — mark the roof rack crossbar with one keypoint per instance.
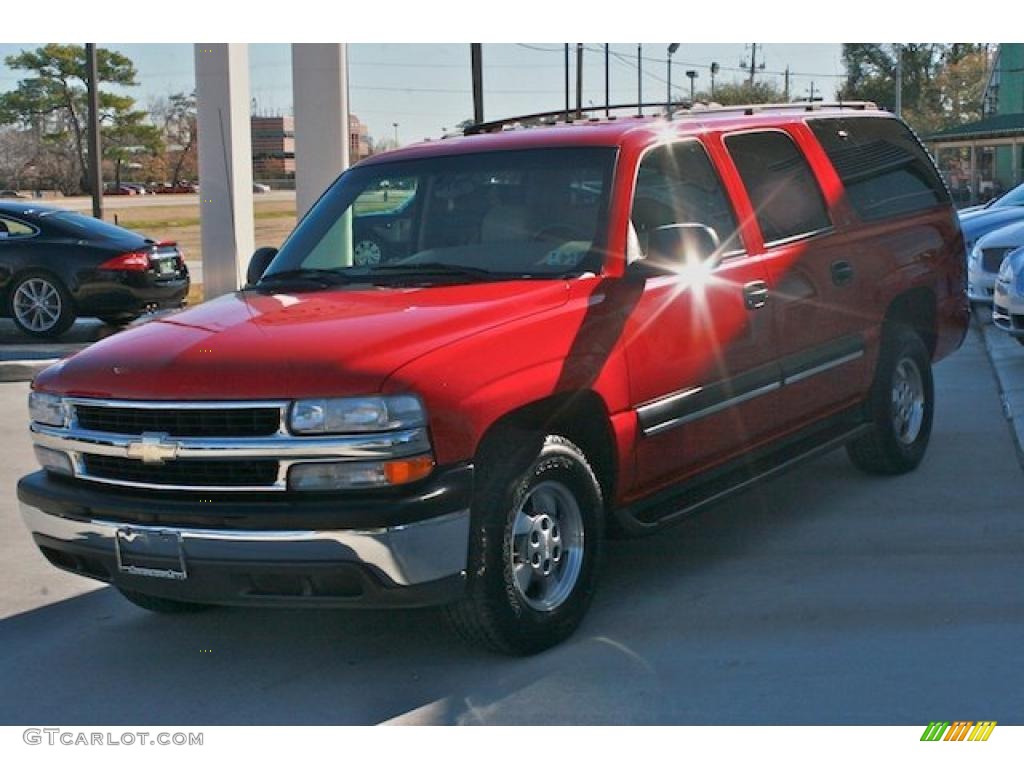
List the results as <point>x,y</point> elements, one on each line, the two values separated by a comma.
<point>680,109</point>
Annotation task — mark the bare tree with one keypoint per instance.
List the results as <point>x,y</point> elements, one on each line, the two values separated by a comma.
<point>175,116</point>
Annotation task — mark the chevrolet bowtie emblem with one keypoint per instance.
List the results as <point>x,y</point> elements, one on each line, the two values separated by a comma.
<point>152,449</point>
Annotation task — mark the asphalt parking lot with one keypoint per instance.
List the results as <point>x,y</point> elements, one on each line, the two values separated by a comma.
<point>825,597</point>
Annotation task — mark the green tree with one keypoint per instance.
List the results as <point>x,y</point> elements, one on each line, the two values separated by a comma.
<point>52,102</point>
<point>942,82</point>
<point>730,94</point>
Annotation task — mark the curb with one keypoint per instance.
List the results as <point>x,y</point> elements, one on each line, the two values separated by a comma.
<point>23,370</point>
<point>1009,382</point>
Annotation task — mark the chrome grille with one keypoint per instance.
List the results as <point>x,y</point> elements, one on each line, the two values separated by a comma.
<point>992,258</point>
<point>181,422</point>
<point>195,473</point>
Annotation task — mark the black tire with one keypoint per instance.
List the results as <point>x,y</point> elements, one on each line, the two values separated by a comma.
<point>368,251</point>
<point>66,313</point>
<point>889,449</point>
<point>1020,340</point>
<point>494,613</point>
<point>161,604</point>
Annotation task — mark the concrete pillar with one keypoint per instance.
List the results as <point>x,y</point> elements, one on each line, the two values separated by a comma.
<point>320,99</point>
<point>225,165</point>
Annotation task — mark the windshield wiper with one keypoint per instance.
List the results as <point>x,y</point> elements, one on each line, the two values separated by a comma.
<point>312,274</point>
<point>434,268</point>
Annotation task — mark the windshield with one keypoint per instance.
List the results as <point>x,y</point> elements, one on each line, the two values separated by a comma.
<point>1014,197</point>
<point>532,213</point>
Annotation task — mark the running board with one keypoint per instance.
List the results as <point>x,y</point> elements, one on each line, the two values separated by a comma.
<point>736,476</point>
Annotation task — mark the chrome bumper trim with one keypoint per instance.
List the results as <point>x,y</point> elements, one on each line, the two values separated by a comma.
<point>382,445</point>
<point>407,554</point>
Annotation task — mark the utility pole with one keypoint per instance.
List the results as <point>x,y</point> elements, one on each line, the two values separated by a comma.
<point>786,89</point>
<point>607,81</point>
<point>579,81</point>
<point>753,61</point>
<point>476,62</point>
<point>899,79</point>
<point>566,81</point>
<point>639,79</point>
<point>95,150</point>
<point>395,126</point>
<point>811,99</point>
<point>714,71</point>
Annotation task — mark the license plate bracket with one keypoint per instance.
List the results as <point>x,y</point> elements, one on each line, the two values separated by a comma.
<point>167,267</point>
<point>157,554</point>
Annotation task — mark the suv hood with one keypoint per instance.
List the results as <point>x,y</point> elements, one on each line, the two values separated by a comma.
<point>249,345</point>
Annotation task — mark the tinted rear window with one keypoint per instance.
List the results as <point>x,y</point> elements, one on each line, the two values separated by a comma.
<point>883,167</point>
<point>86,227</point>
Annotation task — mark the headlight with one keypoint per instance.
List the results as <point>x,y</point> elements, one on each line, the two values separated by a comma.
<point>1006,271</point>
<point>356,414</point>
<point>975,256</point>
<point>46,409</point>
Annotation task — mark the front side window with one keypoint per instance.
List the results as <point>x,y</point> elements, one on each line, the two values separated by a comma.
<point>532,213</point>
<point>676,184</point>
<point>784,193</point>
<point>883,168</point>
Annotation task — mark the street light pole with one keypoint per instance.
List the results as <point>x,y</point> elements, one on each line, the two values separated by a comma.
<point>899,79</point>
<point>714,71</point>
<point>607,91</point>
<point>672,48</point>
<point>95,150</point>
<point>692,74</point>
<point>579,81</point>
<point>395,126</point>
<point>640,79</point>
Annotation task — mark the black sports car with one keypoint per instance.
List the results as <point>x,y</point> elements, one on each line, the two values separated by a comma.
<point>56,265</point>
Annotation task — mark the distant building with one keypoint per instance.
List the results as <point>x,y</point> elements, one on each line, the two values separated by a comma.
<point>273,145</point>
<point>983,159</point>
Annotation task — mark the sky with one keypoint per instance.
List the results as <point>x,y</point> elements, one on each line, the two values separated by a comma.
<point>426,88</point>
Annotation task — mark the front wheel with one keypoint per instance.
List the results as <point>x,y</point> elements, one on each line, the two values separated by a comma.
<point>535,544</point>
<point>900,407</point>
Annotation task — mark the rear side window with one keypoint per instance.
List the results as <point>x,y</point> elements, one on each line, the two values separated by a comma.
<point>787,200</point>
<point>885,171</point>
<point>11,229</point>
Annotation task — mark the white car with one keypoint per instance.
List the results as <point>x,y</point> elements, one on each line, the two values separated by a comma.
<point>986,257</point>
<point>1008,300</point>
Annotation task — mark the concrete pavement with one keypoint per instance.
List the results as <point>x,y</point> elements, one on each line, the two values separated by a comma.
<point>825,597</point>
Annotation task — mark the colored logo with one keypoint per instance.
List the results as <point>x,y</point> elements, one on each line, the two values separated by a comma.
<point>961,730</point>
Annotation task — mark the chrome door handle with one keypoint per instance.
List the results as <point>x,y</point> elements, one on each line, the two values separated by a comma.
<point>755,294</point>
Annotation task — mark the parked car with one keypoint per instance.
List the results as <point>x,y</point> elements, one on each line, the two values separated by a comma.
<point>182,187</point>
<point>11,193</point>
<point>119,189</point>
<point>57,265</point>
<point>644,316</point>
<point>980,220</point>
<point>986,257</point>
<point>139,189</point>
<point>260,188</point>
<point>1008,304</point>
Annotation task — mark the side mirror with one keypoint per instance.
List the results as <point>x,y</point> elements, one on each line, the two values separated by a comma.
<point>676,244</point>
<point>258,264</point>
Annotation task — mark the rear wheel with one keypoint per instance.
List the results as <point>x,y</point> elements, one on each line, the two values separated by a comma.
<point>900,407</point>
<point>41,306</point>
<point>535,543</point>
<point>161,604</point>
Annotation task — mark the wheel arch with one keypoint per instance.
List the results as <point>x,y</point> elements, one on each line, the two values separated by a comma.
<point>580,416</point>
<point>918,309</point>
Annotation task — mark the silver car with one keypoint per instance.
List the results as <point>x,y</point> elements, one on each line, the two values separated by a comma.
<point>986,257</point>
<point>1008,300</point>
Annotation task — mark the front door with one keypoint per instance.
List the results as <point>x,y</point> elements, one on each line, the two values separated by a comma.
<point>699,341</point>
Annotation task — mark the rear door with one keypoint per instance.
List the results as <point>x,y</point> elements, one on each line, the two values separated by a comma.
<point>816,285</point>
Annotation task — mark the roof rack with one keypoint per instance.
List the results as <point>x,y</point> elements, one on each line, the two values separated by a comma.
<point>681,109</point>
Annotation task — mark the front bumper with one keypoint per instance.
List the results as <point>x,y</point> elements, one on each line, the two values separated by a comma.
<point>980,285</point>
<point>414,554</point>
<point>1008,311</point>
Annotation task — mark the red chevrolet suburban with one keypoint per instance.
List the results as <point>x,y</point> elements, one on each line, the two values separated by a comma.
<point>477,357</point>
